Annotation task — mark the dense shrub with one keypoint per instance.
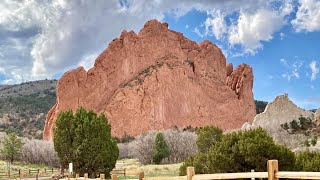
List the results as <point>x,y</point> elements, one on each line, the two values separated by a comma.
<point>85,140</point>
<point>207,136</point>
<point>246,150</point>
<point>198,161</point>
<point>308,161</point>
<point>242,151</point>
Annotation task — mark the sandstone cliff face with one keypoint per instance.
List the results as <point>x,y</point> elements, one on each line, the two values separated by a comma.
<point>158,79</point>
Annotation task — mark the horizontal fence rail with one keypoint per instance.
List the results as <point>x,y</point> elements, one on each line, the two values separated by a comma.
<point>298,175</point>
<point>163,178</point>
<point>272,174</point>
<point>231,175</point>
<point>28,172</point>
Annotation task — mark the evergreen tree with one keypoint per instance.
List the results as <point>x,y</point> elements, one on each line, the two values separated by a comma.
<point>12,146</point>
<point>85,140</point>
<point>207,136</point>
<point>161,149</point>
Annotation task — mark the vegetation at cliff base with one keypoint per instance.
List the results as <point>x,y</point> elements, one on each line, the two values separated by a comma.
<point>85,140</point>
<point>161,149</point>
<point>240,152</point>
<point>11,147</point>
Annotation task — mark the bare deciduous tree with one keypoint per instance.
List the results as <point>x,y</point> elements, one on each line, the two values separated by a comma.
<point>181,144</point>
<point>39,152</point>
<point>142,147</point>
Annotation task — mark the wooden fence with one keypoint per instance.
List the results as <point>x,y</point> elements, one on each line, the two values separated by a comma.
<point>272,174</point>
<point>27,172</point>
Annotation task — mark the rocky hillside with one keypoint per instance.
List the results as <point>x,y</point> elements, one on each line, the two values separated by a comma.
<point>23,107</point>
<point>158,79</point>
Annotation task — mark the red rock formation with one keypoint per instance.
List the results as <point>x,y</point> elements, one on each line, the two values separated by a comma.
<point>158,79</point>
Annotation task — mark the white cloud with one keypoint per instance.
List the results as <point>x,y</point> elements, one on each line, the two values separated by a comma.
<point>187,26</point>
<point>282,35</point>
<point>307,16</point>
<point>197,31</point>
<point>215,24</point>
<point>314,70</point>
<point>284,61</point>
<point>68,32</point>
<point>253,28</point>
<point>250,28</point>
<point>293,71</point>
<point>87,61</point>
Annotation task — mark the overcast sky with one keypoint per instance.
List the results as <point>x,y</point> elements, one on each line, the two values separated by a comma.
<point>280,39</point>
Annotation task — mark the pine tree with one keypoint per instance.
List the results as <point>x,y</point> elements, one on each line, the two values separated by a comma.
<point>12,146</point>
<point>161,149</point>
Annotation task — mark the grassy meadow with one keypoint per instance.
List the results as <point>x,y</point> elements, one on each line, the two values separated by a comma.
<point>133,167</point>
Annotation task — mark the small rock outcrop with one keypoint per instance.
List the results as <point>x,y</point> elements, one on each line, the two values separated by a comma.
<point>158,79</point>
<point>280,111</point>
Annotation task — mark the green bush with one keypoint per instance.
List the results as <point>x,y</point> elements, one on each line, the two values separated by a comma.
<point>304,122</point>
<point>207,136</point>
<point>308,161</point>
<point>85,140</point>
<point>245,150</point>
<point>294,125</point>
<point>197,161</point>
<point>313,141</point>
<point>242,151</point>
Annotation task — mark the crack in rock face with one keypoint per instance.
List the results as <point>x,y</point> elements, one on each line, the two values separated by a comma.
<point>158,79</point>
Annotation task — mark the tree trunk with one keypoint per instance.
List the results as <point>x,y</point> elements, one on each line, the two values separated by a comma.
<point>62,170</point>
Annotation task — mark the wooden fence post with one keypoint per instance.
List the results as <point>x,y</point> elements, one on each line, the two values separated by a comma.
<point>20,173</point>
<point>190,173</point>
<point>52,170</point>
<point>141,175</point>
<point>85,176</point>
<point>29,172</point>
<point>77,176</point>
<point>37,176</point>
<point>114,177</point>
<point>124,171</point>
<point>273,168</point>
<point>102,177</point>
